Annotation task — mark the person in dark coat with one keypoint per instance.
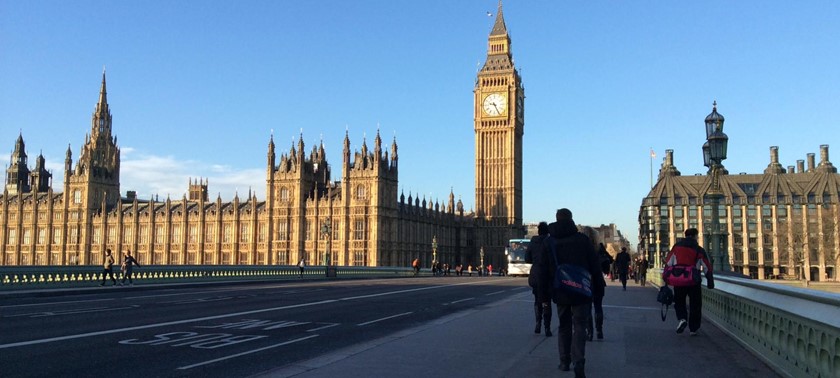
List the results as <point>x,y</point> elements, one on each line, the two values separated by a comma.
<point>598,291</point>
<point>622,264</point>
<point>571,247</point>
<point>643,265</point>
<point>538,279</point>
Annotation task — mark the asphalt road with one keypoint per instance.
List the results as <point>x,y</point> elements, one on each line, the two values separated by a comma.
<point>222,331</point>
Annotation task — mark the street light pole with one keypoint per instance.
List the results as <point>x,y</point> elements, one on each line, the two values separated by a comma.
<point>714,152</point>
<point>434,251</point>
<point>326,229</point>
<point>481,253</point>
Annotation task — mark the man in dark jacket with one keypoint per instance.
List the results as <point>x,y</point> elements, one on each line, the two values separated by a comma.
<point>622,264</point>
<point>571,247</point>
<point>689,253</point>
<point>538,278</point>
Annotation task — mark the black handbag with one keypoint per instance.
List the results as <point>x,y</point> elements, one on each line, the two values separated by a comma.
<point>666,298</point>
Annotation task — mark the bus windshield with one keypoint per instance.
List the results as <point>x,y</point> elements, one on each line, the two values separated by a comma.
<point>516,250</point>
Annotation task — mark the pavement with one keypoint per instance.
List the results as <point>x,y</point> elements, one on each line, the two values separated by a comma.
<point>498,340</point>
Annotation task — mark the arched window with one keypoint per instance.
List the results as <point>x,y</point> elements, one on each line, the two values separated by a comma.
<point>361,193</point>
<point>77,196</point>
<point>283,194</point>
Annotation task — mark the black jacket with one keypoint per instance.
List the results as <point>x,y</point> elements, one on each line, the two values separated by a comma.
<point>538,278</point>
<point>574,248</point>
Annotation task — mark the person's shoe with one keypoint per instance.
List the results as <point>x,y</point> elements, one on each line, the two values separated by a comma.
<point>692,333</point>
<point>564,366</point>
<point>579,373</point>
<point>538,328</point>
<point>547,331</point>
<point>600,335</point>
<point>681,326</point>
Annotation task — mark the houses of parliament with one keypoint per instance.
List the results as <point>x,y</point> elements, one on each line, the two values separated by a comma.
<point>360,219</point>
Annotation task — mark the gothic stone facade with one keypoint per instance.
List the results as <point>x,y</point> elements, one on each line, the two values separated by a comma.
<point>357,220</point>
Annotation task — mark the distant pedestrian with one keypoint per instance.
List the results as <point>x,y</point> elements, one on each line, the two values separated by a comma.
<point>643,268</point>
<point>301,266</point>
<point>108,268</point>
<point>416,265</point>
<point>622,264</point>
<point>690,254</point>
<point>469,269</point>
<point>127,267</point>
<point>490,270</point>
<point>538,278</point>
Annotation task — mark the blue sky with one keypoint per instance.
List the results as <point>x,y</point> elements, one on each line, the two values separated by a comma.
<point>196,88</point>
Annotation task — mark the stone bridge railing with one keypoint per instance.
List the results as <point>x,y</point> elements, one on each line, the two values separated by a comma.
<point>35,277</point>
<point>795,330</point>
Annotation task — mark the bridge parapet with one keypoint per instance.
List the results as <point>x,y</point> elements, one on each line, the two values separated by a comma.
<point>796,330</point>
<point>34,277</point>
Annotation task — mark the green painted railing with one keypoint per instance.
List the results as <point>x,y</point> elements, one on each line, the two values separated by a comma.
<point>34,277</point>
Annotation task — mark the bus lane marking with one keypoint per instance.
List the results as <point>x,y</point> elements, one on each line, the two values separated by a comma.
<point>246,353</point>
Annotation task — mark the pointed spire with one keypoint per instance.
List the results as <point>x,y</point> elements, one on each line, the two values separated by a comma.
<point>499,27</point>
<point>103,93</point>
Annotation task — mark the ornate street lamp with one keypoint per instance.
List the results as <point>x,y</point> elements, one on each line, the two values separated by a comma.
<point>714,153</point>
<point>481,253</point>
<point>326,230</point>
<point>434,251</point>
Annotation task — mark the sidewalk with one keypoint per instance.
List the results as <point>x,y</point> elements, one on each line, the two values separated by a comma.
<point>498,341</point>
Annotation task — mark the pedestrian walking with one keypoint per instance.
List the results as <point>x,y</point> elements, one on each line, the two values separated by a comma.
<point>301,267</point>
<point>127,267</point>
<point>573,248</point>
<point>622,264</point>
<point>598,291</point>
<point>108,268</point>
<point>643,268</point>
<point>687,253</point>
<point>538,279</point>
<point>416,266</point>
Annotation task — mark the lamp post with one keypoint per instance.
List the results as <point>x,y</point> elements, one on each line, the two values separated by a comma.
<point>714,153</point>
<point>326,230</point>
<point>481,254</point>
<point>434,251</point>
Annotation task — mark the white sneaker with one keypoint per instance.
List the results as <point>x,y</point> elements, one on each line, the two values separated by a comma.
<point>692,333</point>
<point>681,326</point>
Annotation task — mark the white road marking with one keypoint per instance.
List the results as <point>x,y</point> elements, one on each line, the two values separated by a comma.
<point>157,325</point>
<point>71,312</point>
<point>458,301</point>
<point>385,318</point>
<point>244,353</point>
<point>195,320</point>
<point>54,303</point>
<point>494,293</point>
<point>323,327</point>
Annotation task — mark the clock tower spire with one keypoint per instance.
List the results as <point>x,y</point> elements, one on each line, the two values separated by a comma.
<point>499,126</point>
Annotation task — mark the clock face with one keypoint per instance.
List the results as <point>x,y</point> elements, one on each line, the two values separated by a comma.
<point>494,104</point>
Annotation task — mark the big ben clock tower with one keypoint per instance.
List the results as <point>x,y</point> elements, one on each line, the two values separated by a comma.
<point>499,127</point>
